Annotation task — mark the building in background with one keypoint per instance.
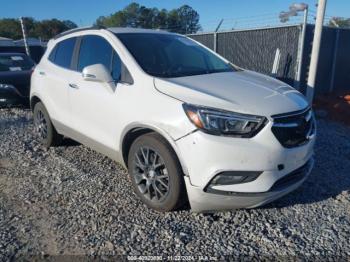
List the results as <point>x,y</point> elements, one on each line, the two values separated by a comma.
<point>36,46</point>
<point>31,42</point>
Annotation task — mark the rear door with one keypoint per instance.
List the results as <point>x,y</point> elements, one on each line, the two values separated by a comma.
<point>56,77</point>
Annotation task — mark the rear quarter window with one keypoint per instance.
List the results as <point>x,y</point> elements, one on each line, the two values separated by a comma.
<point>53,54</point>
<point>62,53</point>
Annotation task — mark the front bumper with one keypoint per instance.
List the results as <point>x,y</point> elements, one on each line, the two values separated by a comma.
<point>206,155</point>
<point>201,201</point>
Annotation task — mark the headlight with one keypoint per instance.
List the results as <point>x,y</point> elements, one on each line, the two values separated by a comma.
<point>6,86</point>
<point>220,122</point>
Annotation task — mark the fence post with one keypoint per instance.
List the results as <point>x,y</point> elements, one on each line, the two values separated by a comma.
<point>215,42</point>
<point>334,64</point>
<point>216,36</point>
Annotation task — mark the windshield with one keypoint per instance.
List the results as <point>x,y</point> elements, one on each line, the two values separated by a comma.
<point>168,55</point>
<point>15,62</point>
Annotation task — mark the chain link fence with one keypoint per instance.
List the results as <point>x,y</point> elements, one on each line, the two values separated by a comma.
<point>255,49</point>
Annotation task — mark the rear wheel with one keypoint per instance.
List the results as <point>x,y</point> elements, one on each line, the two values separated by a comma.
<point>47,133</point>
<point>156,173</point>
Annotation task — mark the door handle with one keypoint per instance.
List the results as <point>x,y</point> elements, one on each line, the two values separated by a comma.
<point>42,73</point>
<point>74,86</point>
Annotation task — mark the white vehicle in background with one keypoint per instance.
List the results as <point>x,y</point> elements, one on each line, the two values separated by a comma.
<point>185,122</point>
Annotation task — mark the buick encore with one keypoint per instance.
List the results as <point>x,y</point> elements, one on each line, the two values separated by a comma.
<point>187,124</point>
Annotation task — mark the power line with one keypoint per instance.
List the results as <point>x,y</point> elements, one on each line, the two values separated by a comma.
<point>262,20</point>
<point>242,17</point>
<point>251,21</point>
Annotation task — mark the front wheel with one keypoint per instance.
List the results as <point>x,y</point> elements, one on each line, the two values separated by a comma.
<point>43,126</point>
<point>155,173</point>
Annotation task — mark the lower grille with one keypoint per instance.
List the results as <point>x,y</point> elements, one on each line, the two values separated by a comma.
<point>294,129</point>
<point>291,178</point>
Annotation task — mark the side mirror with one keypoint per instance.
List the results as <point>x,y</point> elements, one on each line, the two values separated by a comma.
<point>97,73</point>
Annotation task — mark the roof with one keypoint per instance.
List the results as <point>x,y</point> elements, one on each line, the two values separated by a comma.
<point>30,41</point>
<point>120,30</point>
<point>115,30</point>
<point>12,53</point>
<point>5,39</point>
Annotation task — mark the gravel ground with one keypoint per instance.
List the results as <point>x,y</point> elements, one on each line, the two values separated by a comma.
<point>70,200</point>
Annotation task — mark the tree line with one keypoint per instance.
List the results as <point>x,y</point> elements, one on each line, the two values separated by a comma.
<point>45,29</point>
<point>183,20</point>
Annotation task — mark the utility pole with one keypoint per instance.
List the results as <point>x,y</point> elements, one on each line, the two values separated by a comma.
<point>321,9</point>
<point>301,53</point>
<point>24,32</point>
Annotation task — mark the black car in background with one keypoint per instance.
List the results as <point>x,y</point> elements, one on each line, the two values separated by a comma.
<point>15,73</point>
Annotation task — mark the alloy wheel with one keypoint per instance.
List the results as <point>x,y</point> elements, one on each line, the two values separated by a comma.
<point>41,124</point>
<point>151,174</point>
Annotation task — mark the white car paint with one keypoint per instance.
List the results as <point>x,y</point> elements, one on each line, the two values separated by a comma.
<point>243,91</point>
<point>100,116</point>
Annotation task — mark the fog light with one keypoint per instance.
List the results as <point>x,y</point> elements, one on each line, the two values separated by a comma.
<point>227,180</point>
<point>234,177</point>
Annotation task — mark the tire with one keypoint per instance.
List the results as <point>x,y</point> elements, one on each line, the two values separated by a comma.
<point>149,180</point>
<point>46,131</point>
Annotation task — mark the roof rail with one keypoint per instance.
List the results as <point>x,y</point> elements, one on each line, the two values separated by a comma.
<point>78,30</point>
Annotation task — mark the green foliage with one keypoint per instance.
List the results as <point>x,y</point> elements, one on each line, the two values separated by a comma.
<point>45,29</point>
<point>339,22</point>
<point>182,20</point>
<point>10,28</point>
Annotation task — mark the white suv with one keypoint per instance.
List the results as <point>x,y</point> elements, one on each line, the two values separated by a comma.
<point>186,123</point>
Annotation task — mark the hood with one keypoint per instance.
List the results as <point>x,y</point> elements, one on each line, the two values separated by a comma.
<point>242,91</point>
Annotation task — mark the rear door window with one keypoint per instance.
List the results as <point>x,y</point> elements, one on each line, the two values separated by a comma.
<point>62,54</point>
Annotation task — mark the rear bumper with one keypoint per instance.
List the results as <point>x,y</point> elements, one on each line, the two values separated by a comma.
<point>11,96</point>
<point>223,200</point>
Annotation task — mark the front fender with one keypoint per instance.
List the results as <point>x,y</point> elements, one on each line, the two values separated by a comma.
<point>157,129</point>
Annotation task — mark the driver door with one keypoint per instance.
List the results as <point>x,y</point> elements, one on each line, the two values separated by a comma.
<point>94,104</point>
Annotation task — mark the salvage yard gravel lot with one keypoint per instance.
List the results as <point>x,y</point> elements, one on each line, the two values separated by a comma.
<point>70,200</point>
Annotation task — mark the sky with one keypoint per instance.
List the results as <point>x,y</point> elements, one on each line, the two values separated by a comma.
<point>234,12</point>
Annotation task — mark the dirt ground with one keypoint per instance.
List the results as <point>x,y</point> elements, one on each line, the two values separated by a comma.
<point>71,201</point>
<point>335,107</point>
